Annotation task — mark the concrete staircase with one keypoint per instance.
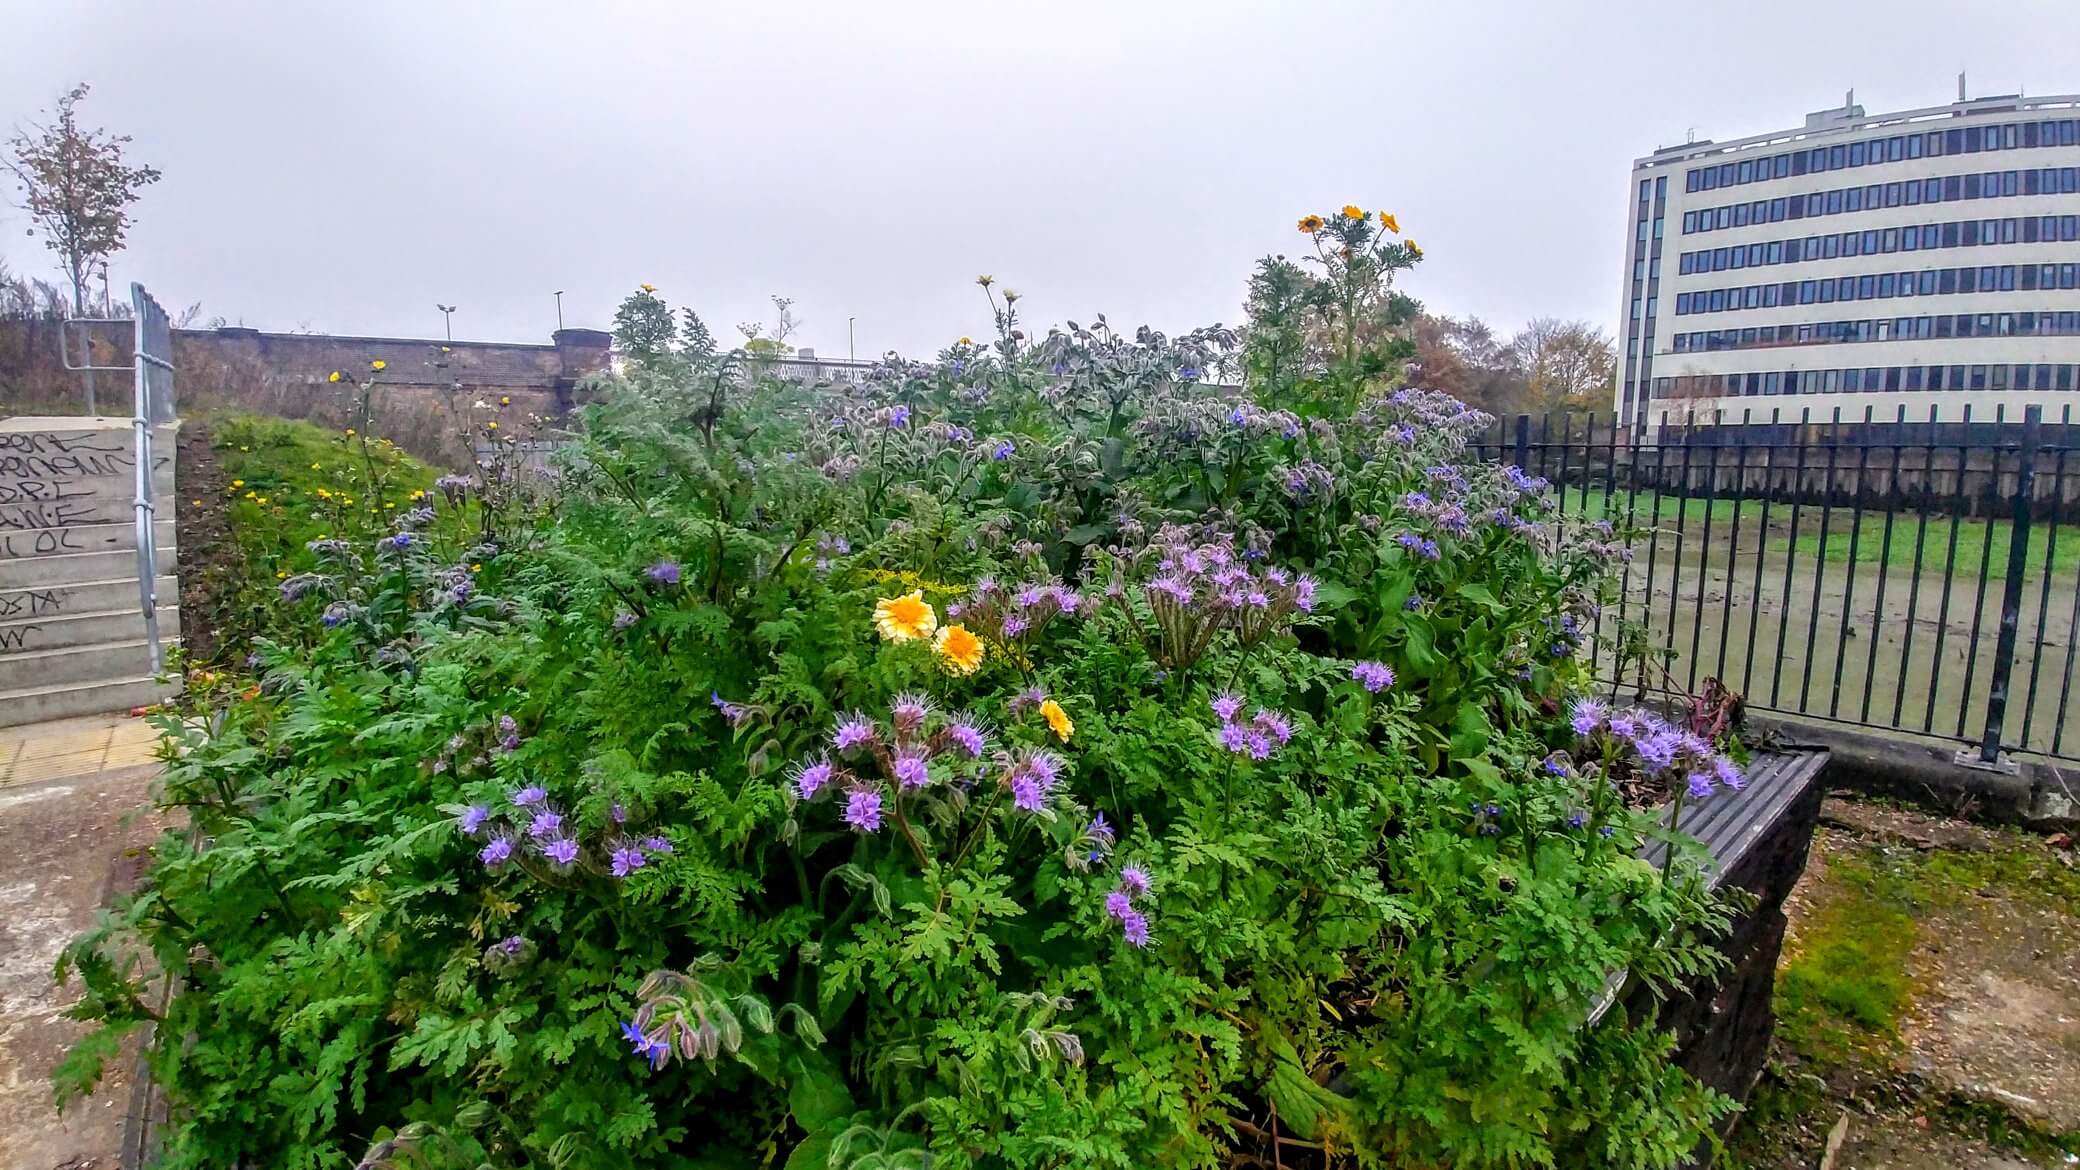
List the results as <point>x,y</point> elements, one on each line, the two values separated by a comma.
<point>72,634</point>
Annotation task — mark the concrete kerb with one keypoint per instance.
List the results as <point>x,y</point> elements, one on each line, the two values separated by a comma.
<point>2030,793</point>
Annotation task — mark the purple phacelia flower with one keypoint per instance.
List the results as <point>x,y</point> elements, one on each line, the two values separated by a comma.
<point>1015,626</point>
<point>1028,794</point>
<point>473,818</point>
<point>1726,772</point>
<point>512,945</point>
<point>546,823</point>
<point>659,845</point>
<point>562,851</point>
<point>1119,904</point>
<point>1134,928</point>
<point>1234,737</point>
<point>617,812</point>
<point>854,731</point>
<point>1657,751</point>
<point>626,860</point>
<point>968,736</point>
<point>863,810</point>
<point>1303,593</point>
<point>811,776</point>
<point>910,770</point>
<point>1259,746</point>
<point>1699,784</point>
<point>531,795</point>
<point>664,572</point>
<point>908,713</point>
<point>1226,705</point>
<point>1134,879</point>
<point>1273,724</point>
<point>1373,676</point>
<point>496,852</point>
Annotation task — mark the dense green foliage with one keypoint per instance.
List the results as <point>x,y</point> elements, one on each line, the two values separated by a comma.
<point>1173,869</point>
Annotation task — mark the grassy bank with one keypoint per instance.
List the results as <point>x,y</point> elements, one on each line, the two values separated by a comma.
<point>280,484</point>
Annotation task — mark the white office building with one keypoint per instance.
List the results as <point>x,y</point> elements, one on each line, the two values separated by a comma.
<point>1928,258</point>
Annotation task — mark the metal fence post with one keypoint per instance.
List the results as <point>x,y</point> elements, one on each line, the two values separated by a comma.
<point>1524,442</point>
<point>2011,595</point>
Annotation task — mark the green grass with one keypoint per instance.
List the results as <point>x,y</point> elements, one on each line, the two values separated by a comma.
<point>1690,513</point>
<point>284,483</point>
<point>1840,997</point>
<point>291,482</point>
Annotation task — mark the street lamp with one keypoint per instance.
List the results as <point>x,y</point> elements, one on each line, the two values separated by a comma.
<point>559,310</point>
<point>447,319</point>
<point>850,354</point>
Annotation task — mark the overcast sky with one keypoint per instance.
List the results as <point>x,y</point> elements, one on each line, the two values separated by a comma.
<point>343,170</point>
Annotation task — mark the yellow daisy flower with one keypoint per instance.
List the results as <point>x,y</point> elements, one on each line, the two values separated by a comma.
<point>1058,720</point>
<point>905,618</point>
<point>1310,224</point>
<point>1353,211</point>
<point>1390,223</point>
<point>1411,246</point>
<point>334,377</point>
<point>647,287</point>
<point>378,364</point>
<point>960,649</point>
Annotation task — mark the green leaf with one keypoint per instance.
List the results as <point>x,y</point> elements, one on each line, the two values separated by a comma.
<point>1470,732</point>
<point>1480,595</point>
<point>818,1094</point>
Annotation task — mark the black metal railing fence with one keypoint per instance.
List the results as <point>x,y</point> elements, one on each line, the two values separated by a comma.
<point>1908,575</point>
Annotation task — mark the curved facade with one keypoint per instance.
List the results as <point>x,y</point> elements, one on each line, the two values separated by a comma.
<point>1917,260</point>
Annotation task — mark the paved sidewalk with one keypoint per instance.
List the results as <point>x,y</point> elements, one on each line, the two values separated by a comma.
<point>68,748</point>
<point>71,833</point>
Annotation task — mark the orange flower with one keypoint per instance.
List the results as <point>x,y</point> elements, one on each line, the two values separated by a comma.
<point>1353,211</point>
<point>1413,250</point>
<point>906,618</point>
<point>960,649</point>
<point>1058,720</point>
<point>1390,223</point>
<point>1310,224</point>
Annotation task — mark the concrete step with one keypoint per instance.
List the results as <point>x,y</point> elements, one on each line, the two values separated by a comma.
<point>73,665</point>
<point>86,629</point>
<point>57,601</point>
<point>38,704</point>
<point>73,568</point>
<point>114,489</point>
<point>79,538</point>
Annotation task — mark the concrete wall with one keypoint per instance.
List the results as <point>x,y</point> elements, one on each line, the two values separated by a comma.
<point>422,400</point>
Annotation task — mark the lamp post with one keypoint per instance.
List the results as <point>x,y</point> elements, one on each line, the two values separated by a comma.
<point>559,310</point>
<point>850,354</point>
<point>447,319</point>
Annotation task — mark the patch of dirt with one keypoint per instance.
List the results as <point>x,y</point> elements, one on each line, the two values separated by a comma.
<point>1898,1143</point>
<point>62,848</point>
<point>208,550</point>
<point>1998,1017</point>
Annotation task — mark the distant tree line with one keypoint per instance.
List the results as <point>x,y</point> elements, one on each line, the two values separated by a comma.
<point>1549,365</point>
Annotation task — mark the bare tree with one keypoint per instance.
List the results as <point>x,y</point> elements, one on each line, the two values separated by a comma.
<point>77,189</point>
